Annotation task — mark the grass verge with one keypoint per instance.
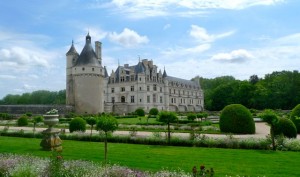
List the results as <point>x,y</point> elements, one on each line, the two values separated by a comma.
<point>146,157</point>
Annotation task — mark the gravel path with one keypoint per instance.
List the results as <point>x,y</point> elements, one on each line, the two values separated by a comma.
<point>262,130</point>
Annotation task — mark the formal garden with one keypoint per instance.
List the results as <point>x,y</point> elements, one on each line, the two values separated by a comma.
<point>90,148</point>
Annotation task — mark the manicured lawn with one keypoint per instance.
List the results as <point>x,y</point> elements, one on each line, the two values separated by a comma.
<point>136,120</point>
<point>153,158</point>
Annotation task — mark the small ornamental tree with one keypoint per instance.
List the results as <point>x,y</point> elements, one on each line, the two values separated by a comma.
<point>191,116</point>
<point>167,117</point>
<point>286,127</point>
<point>295,117</point>
<point>91,121</point>
<point>153,112</point>
<point>35,120</point>
<point>107,124</point>
<point>77,124</point>
<point>270,117</point>
<point>140,112</point>
<point>23,120</point>
<point>236,118</point>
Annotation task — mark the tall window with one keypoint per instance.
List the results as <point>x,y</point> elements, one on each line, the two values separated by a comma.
<point>132,77</point>
<point>113,99</point>
<point>148,98</point>
<point>154,98</point>
<point>161,99</point>
<point>132,88</point>
<point>132,99</point>
<point>160,89</point>
<point>122,89</point>
<point>122,79</point>
<point>154,87</point>
<point>148,88</point>
<point>112,90</point>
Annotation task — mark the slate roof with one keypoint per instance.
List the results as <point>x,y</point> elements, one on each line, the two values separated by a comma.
<point>182,81</point>
<point>87,56</point>
<point>72,50</point>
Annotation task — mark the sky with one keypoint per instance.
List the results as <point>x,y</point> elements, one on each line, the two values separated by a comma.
<point>206,38</point>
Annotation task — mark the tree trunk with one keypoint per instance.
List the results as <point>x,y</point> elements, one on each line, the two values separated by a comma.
<point>91,131</point>
<point>169,134</point>
<point>105,148</point>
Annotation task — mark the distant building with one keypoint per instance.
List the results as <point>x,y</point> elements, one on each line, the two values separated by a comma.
<point>90,89</point>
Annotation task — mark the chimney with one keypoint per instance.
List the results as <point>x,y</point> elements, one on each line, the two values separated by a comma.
<point>98,51</point>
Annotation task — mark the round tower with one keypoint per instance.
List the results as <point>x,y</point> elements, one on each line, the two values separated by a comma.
<point>88,81</point>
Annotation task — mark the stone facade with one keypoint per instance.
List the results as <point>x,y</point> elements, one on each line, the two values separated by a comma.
<point>91,90</point>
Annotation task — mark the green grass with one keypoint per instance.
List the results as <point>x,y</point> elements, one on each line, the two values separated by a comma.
<point>136,120</point>
<point>145,157</point>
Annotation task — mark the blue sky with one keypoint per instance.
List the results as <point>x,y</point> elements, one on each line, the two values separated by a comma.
<point>209,38</point>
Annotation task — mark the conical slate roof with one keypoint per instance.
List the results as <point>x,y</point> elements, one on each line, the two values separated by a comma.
<point>72,50</point>
<point>87,56</point>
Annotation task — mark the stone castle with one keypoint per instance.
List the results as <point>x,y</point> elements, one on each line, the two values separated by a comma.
<point>91,90</point>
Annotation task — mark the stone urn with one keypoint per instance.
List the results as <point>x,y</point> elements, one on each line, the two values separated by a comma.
<point>51,140</point>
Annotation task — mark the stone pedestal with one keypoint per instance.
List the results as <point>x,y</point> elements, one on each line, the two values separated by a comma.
<point>51,140</point>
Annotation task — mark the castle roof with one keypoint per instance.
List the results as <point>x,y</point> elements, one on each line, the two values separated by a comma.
<point>87,56</point>
<point>72,50</point>
<point>181,81</point>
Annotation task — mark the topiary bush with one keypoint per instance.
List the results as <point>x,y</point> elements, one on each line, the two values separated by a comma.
<point>191,116</point>
<point>140,112</point>
<point>236,118</point>
<point>295,117</point>
<point>153,111</point>
<point>286,127</point>
<point>77,124</point>
<point>23,121</point>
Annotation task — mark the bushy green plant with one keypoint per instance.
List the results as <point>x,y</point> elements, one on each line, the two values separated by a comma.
<point>91,121</point>
<point>5,116</point>
<point>153,111</point>
<point>236,118</point>
<point>77,124</point>
<point>23,121</point>
<point>286,127</point>
<point>167,117</point>
<point>140,112</point>
<point>191,116</point>
<point>295,117</point>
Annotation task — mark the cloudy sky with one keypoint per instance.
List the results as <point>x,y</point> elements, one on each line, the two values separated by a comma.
<point>209,38</point>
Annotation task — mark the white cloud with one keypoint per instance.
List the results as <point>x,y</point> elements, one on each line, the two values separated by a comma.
<point>187,52</point>
<point>4,76</point>
<point>236,56</point>
<point>128,38</point>
<point>153,8</point>
<point>201,34</point>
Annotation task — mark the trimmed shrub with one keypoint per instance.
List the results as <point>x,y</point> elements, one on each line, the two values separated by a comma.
<point>153,111</point>
<point>295,117</point>
<point>140,112</point>
<point>77,124</point>
<point>22,121</point>
<point>286,127</point>
<point>236,118</point>
<point>191,116</point>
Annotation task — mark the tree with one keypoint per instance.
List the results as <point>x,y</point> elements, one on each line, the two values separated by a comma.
<point>35,120</point>
<point>77,124</point>
<point>270,117</point>
<point>191,116</point>
<point>140,112</point>
<point>153,111</point>
<point>295,117</point>
<point>91,121</point>
<point>167,117</point>
<point>107,124</point>
<point>253,79</point>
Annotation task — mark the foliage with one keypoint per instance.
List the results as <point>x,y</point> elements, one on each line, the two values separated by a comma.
<point>295,117</point>
<point>36,97</point>
<point>236,118</point>
<point>167,117</point>
<point>35,120</point>
<point>107,124</point>
<point>5,116</point>
<point>278,90</point>
<point>286,127</point>
<point>191,116</point>
<point>140,112</point>
<point>153,111</point>
<point>23,120</point>
<point>271,118</point>
<point>91,121</point>
<point>77,124</point>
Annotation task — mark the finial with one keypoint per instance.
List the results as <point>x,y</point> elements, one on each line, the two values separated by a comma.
<point>118,62</point>
<point>72,41</point>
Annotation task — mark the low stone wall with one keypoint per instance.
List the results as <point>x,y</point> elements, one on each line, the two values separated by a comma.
<point>34,109</point>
